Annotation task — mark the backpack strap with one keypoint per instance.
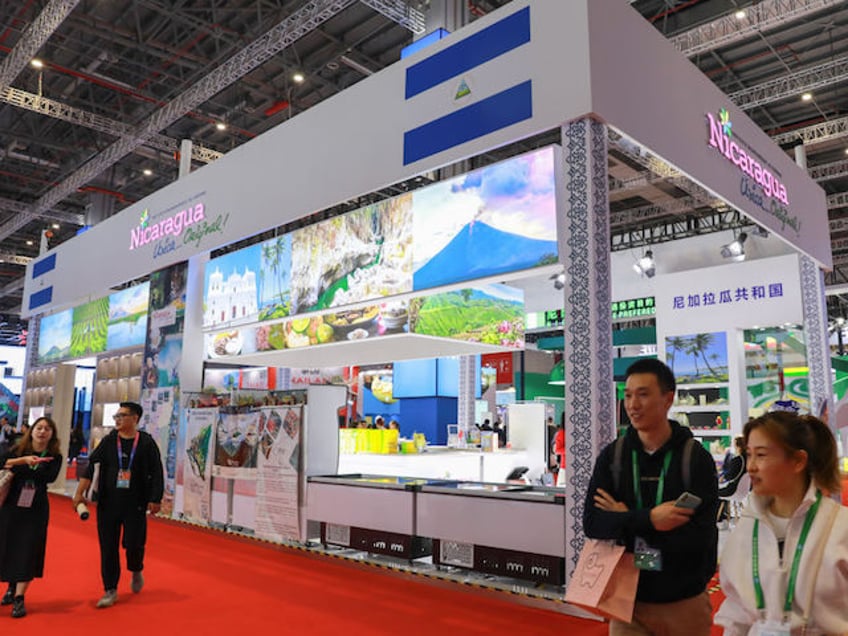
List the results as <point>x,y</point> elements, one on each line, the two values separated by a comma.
<point>617,452</point>
<point>685,469</point>
<point>686,465</point>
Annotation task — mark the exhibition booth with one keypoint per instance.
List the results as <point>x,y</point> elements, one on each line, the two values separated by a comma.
<point>219,344</point>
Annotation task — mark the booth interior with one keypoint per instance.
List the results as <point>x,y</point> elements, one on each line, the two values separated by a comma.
<point>388,378</point>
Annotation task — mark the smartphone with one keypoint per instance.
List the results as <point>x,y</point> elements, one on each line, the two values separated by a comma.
<point>688,500</point>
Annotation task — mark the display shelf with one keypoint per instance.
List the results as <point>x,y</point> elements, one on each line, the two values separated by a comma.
<point>118,379</point>
<point>697,408</point>
<point>710,432</point>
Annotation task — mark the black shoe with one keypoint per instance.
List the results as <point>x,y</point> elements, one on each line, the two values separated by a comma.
<point>8,597</point>
<point>18,609</point>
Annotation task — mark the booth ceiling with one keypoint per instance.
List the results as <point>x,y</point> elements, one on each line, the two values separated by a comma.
<point>99,125</point>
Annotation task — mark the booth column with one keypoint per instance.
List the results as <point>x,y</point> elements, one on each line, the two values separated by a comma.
<point>815,337</point>
<point>584,241</point>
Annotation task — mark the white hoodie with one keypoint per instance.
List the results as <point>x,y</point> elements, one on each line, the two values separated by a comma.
<point>829,610</point>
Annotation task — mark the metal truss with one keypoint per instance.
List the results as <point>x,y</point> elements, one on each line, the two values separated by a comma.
<point>34,37</point>
<point>63,216</point>
<point>815,134</point>
<point>792,85</point>
<point>678,228</point>
<point>826,171</point>
<point>400,12</point>
<point>12,288</point>
<point>58,110</point>
<point>307,18</point>
<point>652,212</point>
<point>15,259</point>
<point>759,17</point>
<point>839,200</point>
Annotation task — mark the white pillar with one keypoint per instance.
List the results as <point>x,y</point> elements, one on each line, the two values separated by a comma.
<point>584,241</point>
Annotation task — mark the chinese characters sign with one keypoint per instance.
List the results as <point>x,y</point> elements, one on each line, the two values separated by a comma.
<point>726,296</point>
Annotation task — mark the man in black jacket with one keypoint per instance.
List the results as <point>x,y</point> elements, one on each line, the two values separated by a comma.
<point>130,484</point>
<point>631,499</point>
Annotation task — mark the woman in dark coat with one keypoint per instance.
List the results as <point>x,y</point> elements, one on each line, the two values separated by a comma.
<point>35,462</point>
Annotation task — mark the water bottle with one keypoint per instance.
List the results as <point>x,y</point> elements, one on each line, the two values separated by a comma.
<point>82,510</point>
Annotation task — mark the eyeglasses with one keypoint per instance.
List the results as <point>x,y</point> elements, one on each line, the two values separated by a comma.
<point>118,416</point>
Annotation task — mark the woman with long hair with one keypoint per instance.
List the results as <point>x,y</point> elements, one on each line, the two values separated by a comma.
<point>35,462</point>
<point>784,568</point>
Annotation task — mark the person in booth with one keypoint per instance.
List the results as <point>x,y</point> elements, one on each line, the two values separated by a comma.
<point>784,568</point>
<point>130,484</point>
<point>632,497</point>
<point>35,461</point>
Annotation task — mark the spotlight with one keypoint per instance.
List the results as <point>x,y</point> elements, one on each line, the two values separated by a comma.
<point>298,77</point>
<point>559,280</point>
<point>741,14</point>
<point>221,125</point>
<point>645,266</point>
<point>736,249</point>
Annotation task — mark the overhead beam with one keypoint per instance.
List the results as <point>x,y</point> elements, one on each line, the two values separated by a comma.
<point>33,38</point>
<point>815,133</point>
<point>759,17</point>
<point>292,28</point>
<point>401,12</point>
<point>792,85</point>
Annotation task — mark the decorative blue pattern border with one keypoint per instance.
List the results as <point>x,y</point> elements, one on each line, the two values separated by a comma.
<point>588,331</point>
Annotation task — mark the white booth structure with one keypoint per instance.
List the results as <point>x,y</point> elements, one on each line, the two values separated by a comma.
<point>531,67</point>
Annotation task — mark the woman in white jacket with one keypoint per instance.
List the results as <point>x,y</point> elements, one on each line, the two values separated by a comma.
<point>784,568</point>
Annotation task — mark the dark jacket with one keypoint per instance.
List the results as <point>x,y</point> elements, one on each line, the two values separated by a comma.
<point>147,482</point>
<point>688,552</point>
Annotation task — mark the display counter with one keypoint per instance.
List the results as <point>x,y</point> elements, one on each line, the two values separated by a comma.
<point>473,526</point>
<point>440,462</point>
<point>372,513</point>
<point>465,524</point>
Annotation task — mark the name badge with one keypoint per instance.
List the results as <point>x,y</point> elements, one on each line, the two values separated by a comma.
<point>27,495</point>
<point>124,478</point>
<point>773,628</point>
<point>645,557</point>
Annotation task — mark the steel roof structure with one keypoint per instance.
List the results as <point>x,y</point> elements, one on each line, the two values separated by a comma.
<point>99,125</point>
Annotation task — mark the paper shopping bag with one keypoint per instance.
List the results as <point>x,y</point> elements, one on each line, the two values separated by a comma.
<point>605,580</point>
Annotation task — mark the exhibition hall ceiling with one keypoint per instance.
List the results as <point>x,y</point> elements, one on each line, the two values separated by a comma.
<point>98,126</point>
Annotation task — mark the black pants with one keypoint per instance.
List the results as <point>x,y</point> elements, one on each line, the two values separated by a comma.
<point>110,520</point>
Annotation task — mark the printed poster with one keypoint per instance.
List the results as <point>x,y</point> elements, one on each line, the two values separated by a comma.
<point>277,491</point>
<point>236,440</point>
<point>194,463</point>
<point>161,421</point>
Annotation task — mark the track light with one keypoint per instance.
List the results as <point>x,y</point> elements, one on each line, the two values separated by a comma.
<point>559,280</point>
<point>645,266</point>
<point>736,249</point>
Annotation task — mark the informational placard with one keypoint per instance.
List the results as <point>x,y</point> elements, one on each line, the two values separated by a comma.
<point>236,441</point>
<point>161,421</point>
<point>279,462</point>
<point>194,463</point>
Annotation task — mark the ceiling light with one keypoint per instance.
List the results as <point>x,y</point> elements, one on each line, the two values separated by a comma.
<point>298,78</point>
<point>806,97</point>
<point>741,14</point>
<point>559,280</point>
<point>735,250</point>
<point>645,266</point>
<point>846,151</point>
<point>29,242</point>
<point>55,226</point>
<point>147,172</point>
<point>36,63</point>
<point>221,125</point>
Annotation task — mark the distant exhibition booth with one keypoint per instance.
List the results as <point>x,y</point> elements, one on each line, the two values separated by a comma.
<point>364,287</point>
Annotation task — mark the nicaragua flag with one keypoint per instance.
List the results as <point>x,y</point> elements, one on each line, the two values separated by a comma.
<point>44,295</point>
<point>450,78</point>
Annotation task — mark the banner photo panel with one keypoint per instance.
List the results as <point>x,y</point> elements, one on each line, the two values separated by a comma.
<point>54,337</point>
<point>128,317</point>
<point>89,328</point>
<point>230,288</point>
<point>499,219</point>
<point>361,255</point>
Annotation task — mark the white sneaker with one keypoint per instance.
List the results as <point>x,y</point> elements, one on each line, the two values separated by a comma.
<point>137,582</point>
<point>109,598</point>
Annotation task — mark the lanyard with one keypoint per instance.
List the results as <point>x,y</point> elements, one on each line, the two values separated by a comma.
<point>796,561</point>
<point>132,452</point>
<point>43,454</point>
<point>637,478</point>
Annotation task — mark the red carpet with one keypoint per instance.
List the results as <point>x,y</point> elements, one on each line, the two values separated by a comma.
<point>204,582</point>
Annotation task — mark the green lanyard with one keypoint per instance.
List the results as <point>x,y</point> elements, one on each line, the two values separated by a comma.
<point>43,454</point>
<point>637,478</point>
<point>796,561</point>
